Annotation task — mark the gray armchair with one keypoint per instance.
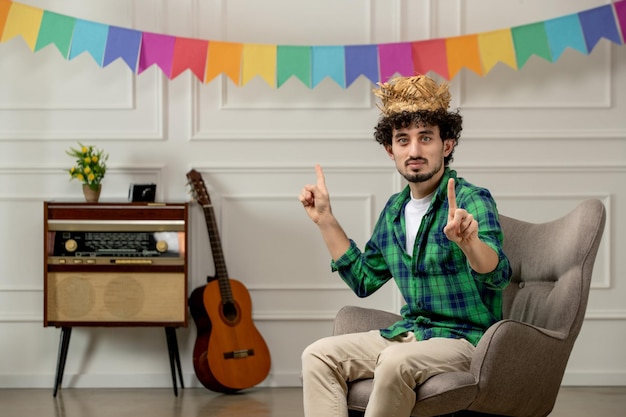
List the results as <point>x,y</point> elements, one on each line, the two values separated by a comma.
<point>519,363</point>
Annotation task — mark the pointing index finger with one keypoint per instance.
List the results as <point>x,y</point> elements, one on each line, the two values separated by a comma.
<point>451,197</point>
<point>321,181</point>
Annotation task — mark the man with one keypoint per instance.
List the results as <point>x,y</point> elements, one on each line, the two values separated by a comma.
<point>439,239</point>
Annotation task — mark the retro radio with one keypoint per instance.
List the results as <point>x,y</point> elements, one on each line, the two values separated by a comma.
<point>115,264</point>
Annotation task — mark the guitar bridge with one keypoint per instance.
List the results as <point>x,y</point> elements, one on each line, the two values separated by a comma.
<point>239,354</point>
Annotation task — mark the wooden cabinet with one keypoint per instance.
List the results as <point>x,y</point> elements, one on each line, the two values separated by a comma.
<point>115,264</point>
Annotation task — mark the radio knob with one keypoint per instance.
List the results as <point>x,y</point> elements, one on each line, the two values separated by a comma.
<point>71,245</point>
<point>161,246</point>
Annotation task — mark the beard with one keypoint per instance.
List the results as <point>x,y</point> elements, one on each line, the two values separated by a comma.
<point>421,176</point>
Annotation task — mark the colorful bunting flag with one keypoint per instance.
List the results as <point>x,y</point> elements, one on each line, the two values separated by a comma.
<point>89,37</point>
<point>259,60</point>
<point>395,58</point>
<point>531,40</point>
<point>496,46</point>
<point>361,60</point>
<point>122,43</point>
<point>156,49</point>
<point>430,56</point>
<point>56,29</point>
<point>328,61</point>
<point>293,61</point>
<point>24,21</point>
<point>276,64</point>
<point>5,6</point>
<point>620,12</point>
<point>224,57</point>
<point>462,52</point>
<point>189,54</point>
<point>565,32</point>
<point>599,23</point>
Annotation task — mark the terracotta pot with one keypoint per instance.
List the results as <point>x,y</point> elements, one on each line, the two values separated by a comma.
<point>91,195</point>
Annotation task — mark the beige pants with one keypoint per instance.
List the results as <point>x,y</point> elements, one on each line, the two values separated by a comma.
<point>397,367</point>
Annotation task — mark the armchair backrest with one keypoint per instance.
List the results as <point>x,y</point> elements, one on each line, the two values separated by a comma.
<point>552,265</point>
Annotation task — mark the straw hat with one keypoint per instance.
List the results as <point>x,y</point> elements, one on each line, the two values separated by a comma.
<point>412,94</point>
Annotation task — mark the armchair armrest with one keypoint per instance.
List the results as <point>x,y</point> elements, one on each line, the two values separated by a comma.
<point>519,368</point>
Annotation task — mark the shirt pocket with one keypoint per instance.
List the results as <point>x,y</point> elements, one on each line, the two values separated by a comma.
<point>442,257</point>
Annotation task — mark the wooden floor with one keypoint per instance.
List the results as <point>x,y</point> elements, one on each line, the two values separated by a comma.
<point>258,402</point>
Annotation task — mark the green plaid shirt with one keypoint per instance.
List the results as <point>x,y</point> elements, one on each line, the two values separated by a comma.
<point>444,296</point>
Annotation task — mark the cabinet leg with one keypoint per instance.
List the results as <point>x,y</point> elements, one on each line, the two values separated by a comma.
<point>174,355</point>
<point>64,343</point>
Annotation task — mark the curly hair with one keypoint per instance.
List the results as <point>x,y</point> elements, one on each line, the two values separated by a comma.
<point>450,125</point>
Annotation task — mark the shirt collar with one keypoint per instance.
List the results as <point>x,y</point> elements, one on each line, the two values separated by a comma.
<point>441,194</point>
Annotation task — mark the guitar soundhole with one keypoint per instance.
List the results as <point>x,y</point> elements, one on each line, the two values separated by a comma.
<point>230,312</point>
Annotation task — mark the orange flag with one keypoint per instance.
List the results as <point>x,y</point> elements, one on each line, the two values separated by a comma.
<point>5,5</point>
<point>259,60</point>
<point>463,52</point>
<point>497,46</point>
<point>224,57</point>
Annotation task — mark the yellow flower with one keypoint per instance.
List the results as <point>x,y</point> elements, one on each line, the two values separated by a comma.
<point>90,166</point>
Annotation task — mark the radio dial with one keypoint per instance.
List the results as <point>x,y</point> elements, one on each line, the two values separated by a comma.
<point>71,245</point>
<point>161,246</point>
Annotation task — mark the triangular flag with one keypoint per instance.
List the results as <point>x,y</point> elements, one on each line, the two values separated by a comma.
<point>620,12</point>
<point>190,54</point>
<point>463,52</point>
<point>156,49</point>
<point>430,56</point>
<point>395,58</point>
<point>530,40</point>
<point>123,43</point>
<point>496,46</point>
<point>328,61</point>
<point>5,6</point>
<point>259,60</point>
<point>56,29</point>
<point>24,21</point>
<point>224,57</point>
<point>293,61</point>
<point>361,60</point>
<point>565,32</point>
<point>599,23</point>
<point>89,37</point>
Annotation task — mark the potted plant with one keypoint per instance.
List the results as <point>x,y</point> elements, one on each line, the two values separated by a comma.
<point>89,169</point>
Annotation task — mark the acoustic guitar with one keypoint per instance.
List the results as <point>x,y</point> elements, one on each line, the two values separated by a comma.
<point>229,352</point>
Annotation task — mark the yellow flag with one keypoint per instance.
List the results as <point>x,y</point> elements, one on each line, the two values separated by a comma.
<point>259,60</point>
<point>25,21</point>
<point>497,46</point>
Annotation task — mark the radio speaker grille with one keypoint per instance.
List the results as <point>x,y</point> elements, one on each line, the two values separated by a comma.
<point>115,297</point>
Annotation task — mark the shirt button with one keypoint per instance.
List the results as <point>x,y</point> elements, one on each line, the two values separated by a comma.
<point>522,284</point>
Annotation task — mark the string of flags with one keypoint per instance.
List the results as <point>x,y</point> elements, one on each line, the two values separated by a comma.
<point>276,64</point>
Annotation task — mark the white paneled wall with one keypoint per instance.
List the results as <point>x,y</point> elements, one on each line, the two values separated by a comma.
<point>541,138</point>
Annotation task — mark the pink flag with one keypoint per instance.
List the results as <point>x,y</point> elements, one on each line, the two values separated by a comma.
<point>156,49</point>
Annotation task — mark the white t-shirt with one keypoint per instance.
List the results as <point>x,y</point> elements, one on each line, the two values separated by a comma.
<point>413,214</point>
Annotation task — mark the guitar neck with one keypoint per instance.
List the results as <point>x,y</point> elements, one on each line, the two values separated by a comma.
<point>221,272</point>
